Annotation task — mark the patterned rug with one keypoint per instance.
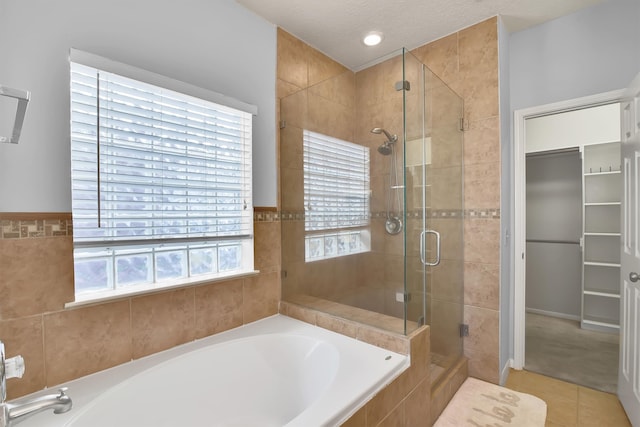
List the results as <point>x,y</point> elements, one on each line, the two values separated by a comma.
<point>478,404</point>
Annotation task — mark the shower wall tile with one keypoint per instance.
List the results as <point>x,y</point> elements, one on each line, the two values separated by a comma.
<point>478,53</point>
<point>482,141</point>
<point>82,341</point>
<point>340,89</point>
<point>482,344</point>
<point>482,185</point>
<point>321,67</point>
<point>482,241</point>
<point>37,275</point>
<point>291,147</point>
<point>482,285</point>
<point>284,89</point>
<point>294,109</point>
<point>289,66</point>
<point>24,337</point>
<point>161,321</point>
<point>330,118</point>
<point>441,56</point>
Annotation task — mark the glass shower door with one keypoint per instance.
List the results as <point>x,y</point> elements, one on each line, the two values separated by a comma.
<point>434,211</point>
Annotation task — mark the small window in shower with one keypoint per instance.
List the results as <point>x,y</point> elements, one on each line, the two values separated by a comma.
<point>336,197</point>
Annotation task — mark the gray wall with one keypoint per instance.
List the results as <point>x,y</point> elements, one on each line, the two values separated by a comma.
<point>218,45</point>
<point>506,214</point>
<point>554,212</point>
<point>592,51</point>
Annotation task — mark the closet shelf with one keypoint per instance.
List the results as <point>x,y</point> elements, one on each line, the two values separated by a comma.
<point>588,233</point>
<point>601,173</point>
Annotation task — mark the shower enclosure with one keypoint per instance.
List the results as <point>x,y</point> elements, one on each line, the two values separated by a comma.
<point>372,201</point>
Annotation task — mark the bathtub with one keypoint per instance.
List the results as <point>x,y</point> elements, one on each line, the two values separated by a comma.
<point>277,371</point>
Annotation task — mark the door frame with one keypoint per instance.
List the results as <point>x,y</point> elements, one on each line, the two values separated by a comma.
<point>519,198</point>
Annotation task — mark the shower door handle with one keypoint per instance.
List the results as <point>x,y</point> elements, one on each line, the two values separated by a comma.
<point>423,256</point>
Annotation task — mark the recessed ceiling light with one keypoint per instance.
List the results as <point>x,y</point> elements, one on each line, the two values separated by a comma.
<point>372,38</point>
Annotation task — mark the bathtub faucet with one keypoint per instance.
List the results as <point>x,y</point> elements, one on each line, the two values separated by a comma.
<point>12,413</point>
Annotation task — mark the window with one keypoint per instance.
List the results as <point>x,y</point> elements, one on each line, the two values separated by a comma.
<point>336,197</point>
<point>161,185</point>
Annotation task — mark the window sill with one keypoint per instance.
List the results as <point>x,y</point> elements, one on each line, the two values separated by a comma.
<point>101,297</point>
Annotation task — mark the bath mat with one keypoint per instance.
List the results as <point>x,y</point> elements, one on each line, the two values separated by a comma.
<point>478,404</point>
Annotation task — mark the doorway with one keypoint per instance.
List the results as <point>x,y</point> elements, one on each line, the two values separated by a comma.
<point>545,316</point>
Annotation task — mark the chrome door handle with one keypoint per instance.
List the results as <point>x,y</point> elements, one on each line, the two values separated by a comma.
<point>633,276</point>
<point>423,257</point>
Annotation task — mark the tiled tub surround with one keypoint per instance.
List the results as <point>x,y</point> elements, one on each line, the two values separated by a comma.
<point>322,378</point>
<point>59,345</point>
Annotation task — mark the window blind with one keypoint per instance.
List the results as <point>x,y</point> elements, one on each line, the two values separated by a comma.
<point>336,183</point>
<point>151,164</point>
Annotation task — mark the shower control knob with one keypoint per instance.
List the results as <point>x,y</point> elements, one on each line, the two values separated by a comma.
<point>633,276</point>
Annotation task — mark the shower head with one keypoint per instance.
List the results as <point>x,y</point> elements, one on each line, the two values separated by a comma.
<point>390,138</point>
<point>385,149</point>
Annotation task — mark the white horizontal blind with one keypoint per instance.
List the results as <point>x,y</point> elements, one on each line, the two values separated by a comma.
<point>336,183</point>
<point>151,164</point>
<point>336,197</point>
<point>161,185</point>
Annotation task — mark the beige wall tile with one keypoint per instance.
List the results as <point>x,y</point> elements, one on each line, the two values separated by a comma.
<point>482,142</point>
<point>261,295</point>
<point>289,66</point>
<point>336,324</point>
<point>37,275</point>
<point>218,307</point>
<point>482,285</point>
<point>383,339</point>
<point>322,68</point>
<point>482,241</point>
<point>25,337</point>
<point>284,88</point>
<point>441,56</point>
<point>482,186</point>
<point>161,321</point>
<point>267,246</point>
<point>417,405</point>
<point>330,118</point>
<point>85,340</point>
<point>359,419</point>
<point>482,344</point>
<point>340,88</point>
<point>395,418</point>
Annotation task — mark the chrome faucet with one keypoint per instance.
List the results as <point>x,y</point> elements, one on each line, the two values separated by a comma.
<point>12,413</point>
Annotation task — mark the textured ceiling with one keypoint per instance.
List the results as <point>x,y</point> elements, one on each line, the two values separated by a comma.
<point>336,27</point>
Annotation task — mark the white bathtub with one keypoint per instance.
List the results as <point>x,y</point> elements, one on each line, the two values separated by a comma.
<point>274,372</point>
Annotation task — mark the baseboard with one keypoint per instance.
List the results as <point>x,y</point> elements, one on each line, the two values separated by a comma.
<point>504,374</point>
<point>553,314</point>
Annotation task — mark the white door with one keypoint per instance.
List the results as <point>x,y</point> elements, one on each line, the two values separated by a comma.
<point>629,372</point>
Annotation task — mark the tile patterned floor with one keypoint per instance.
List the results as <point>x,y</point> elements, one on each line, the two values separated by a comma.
<point>570,405</point>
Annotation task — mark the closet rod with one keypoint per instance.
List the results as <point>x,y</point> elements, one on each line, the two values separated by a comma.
<point>567,242</point>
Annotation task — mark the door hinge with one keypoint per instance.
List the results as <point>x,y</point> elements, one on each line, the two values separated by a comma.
<point>403,85</point>
<point>462,124</point>
<point>283,124</point>
<point>464,330</point>
<point>403,297</point>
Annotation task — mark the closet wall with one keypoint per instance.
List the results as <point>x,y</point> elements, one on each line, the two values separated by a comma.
<point>554,228</point>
